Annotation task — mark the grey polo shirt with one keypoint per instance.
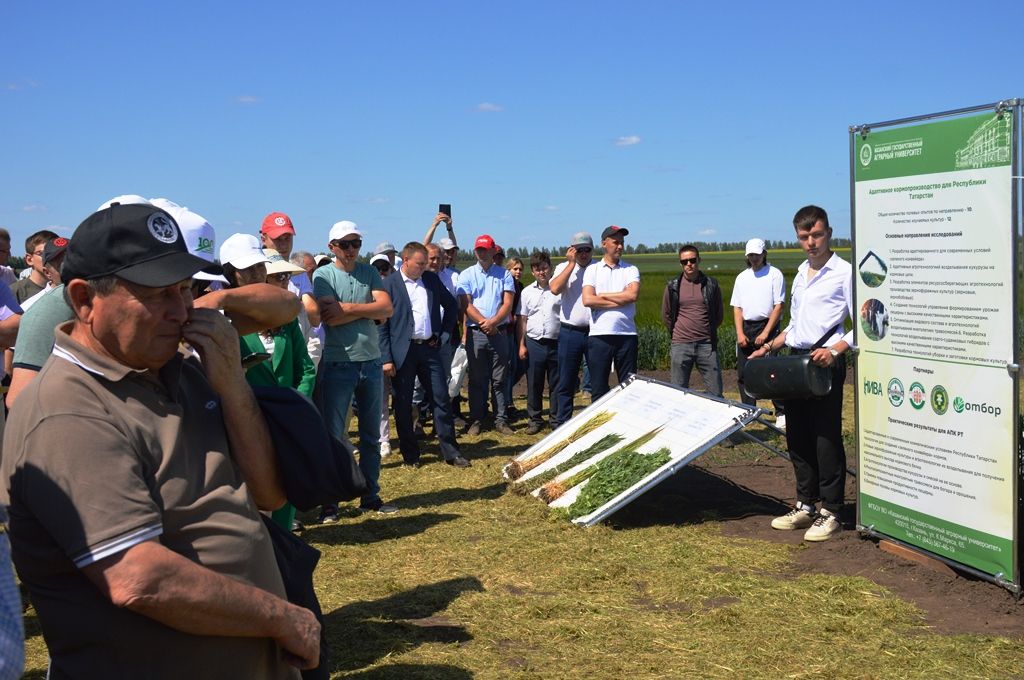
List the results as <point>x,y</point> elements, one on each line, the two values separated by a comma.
<point>99,457</point>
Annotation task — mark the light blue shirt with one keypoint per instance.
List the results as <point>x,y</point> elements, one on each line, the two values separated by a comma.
<point>486,290</point>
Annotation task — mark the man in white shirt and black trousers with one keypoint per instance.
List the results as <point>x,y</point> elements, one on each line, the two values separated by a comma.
<point>539,325</point>
<point>822,299</point>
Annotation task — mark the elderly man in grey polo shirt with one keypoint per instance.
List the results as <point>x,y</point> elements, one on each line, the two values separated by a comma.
<point>144,551</point>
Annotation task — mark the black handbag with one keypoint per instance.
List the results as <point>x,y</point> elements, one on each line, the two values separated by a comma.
<point>792,376</point>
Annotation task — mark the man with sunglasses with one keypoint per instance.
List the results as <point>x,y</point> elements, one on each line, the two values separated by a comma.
<point>692,311</point>
<point>574,319</point>
<point>352,299</point>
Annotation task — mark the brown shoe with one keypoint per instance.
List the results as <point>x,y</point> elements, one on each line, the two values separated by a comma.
<point>473,430</point>
<point>502,428</point>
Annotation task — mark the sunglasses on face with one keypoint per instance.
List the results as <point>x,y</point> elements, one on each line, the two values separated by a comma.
<point>583,249</point>
<point>688,260</point>
<point>346,245</point>
<point>280,278</point>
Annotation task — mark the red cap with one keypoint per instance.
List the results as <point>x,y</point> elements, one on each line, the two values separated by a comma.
<point>277,223</point>
<point>483,241</point>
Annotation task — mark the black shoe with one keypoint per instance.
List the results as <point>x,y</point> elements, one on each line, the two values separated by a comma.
<point>297,526</point>
<point>418,432</point>
<point>378,506</point>
<point>412,463</point>
<point>459,462</point>
<point>328,514</point>
<point>534,428</point>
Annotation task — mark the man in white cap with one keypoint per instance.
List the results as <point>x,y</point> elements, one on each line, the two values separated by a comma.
<point>574,320</point>
<point>757,298</point>
<point>388,250</point>
<point>692,311</point>
<point>352,300</point>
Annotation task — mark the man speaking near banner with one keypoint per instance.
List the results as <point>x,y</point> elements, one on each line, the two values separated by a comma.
<point>822,299</point>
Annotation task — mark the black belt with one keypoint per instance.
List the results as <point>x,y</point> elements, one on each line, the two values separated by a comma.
<point>544,341</point>
<point>476,328</point>
<point>429,342</point>
<point>581,329</point>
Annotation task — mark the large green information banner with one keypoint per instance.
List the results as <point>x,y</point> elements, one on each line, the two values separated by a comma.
<point>934,287</point>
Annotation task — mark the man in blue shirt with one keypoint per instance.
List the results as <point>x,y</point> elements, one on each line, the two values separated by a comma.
<point>485,296</point>
<point>351,300</point>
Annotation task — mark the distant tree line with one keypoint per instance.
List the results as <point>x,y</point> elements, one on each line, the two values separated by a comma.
<point>704,246</point>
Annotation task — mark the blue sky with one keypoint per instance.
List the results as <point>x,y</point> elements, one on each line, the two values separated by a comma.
<point>681,121</point>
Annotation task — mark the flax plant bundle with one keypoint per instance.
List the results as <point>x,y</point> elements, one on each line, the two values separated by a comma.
<point>554,490</point>
<point>518,468</point>
<point>603,444</point>
<point>615,474</point>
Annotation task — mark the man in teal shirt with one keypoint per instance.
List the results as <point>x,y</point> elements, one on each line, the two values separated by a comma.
<point>352,300</point>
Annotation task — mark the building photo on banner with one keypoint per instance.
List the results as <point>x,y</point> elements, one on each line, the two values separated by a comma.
<point>623,445</point>
<point>935,290</point>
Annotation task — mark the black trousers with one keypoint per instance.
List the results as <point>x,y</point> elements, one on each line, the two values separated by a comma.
<point>814,435</point>
<point>752,329</point>
<point>541,360</point>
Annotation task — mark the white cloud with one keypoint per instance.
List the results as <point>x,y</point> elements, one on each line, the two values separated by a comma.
<point>629,140</point>
<point>489,107</point>
<point>33,207</point>
<point>707,232</point>
<point>551,208</point>
<point>248,99</point>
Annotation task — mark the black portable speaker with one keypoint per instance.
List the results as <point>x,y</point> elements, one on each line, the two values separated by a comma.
<point>786,377</point>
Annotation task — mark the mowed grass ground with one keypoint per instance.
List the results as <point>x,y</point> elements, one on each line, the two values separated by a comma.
<point>471,580</point>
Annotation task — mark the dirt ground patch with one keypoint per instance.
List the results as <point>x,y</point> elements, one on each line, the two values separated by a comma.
<point>745,495</point>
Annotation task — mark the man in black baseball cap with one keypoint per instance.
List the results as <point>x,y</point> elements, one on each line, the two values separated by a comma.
<point>139,243</point>
<point>172,462</point>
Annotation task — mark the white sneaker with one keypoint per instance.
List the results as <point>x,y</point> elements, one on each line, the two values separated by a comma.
<point>797,518</point>
<point>826,525</point>
<point>385,449</point>
<point>780,422</point>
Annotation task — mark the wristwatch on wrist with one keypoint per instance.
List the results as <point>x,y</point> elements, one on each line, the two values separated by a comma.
<point>833,351</point>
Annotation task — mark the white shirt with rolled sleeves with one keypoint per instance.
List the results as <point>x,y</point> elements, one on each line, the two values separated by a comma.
<point>607,279</point>
<point>541,308</point>
<point>757,293</point>
<point>573,312</point>
<point>821,304</point>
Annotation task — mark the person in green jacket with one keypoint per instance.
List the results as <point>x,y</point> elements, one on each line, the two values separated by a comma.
<point>289,364</point>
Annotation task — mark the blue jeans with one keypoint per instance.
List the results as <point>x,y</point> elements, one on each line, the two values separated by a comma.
<point>363,381</point>
<point>686,355</point>
<point>602,351</point>
<point>572,349</point>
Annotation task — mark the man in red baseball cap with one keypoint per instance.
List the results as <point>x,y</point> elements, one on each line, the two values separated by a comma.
<point>485,295</point>
<point>278,233</point>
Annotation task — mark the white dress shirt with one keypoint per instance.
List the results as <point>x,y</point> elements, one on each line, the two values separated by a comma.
<point>821,304</point>
<point>421,329</point>
<point>541,308</point>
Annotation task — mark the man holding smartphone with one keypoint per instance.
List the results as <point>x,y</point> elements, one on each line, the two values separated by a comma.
<point>574,319</point>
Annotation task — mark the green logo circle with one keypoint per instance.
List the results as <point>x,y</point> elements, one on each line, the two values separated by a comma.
<point>958,404</point>
<point>865,155</point>
<point>896,392</point>
<point>940,400</point>
<point>917,394</point>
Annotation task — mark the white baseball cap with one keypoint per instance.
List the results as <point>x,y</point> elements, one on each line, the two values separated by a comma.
<point>200,237</point>
<point>446,244</point>
<point>278,265</point>
<point>755,246</point>
<point>126,199</point>
<point>342,229</point>
<point>380,257</point>
<point>242,251</point>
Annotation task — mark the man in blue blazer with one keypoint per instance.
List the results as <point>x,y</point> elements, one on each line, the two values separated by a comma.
<point>410,348</point>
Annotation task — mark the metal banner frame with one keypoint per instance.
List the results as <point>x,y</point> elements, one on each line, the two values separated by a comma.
<point>1011,107</point>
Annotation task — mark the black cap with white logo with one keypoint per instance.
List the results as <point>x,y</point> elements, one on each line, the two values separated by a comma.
<point>139,243</point>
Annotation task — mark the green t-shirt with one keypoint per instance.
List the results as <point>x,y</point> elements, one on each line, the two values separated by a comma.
<point>35,334</point>
<point>356,340</point>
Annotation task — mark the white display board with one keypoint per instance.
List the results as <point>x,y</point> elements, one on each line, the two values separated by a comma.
<point>644,431</point>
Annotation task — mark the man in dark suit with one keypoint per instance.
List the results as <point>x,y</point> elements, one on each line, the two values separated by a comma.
<point>410,348</point>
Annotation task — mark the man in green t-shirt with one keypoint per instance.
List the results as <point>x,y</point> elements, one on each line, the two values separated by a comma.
<point>352,300</point>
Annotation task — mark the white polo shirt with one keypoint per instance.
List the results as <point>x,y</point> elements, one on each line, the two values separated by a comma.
<point>572,311</point>
<point>757,293</point>
<point>608,279</point>
<point>542,310</point>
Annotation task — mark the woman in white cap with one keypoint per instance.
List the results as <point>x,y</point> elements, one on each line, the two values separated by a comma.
<point>757,299</point>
